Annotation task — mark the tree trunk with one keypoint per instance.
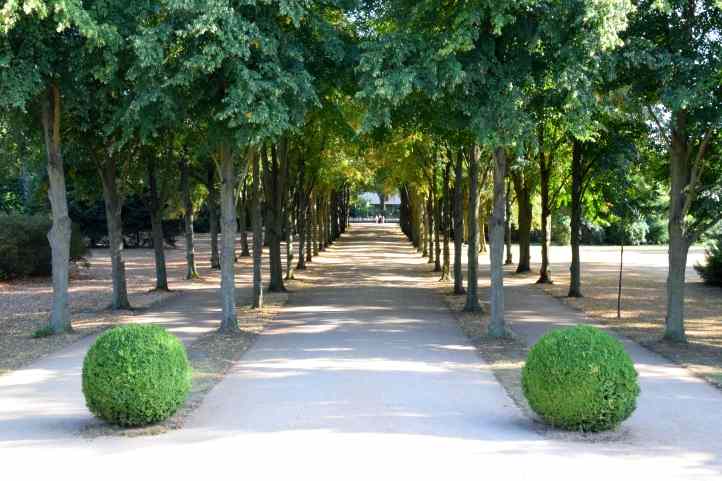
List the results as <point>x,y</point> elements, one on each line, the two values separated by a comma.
<point>290,274</point>
<point>309,228</point>
<point>275,171</point>
<point>458,225</point>
<point>113,210</point>
<point>507,226</point>
<point>243,221</point>
<point>316,226</point>
<point>446,224</point>
<point>213,215</point>
<point>59,234</point>
<point>191,272</point>
<point>156,222</point>
<point>679,173</point>
<point>229,321</point>
<point>497,324</point>
<point>482,230</point>
<point>437,221</point>
<point>523,189</point>
<point>257,234</point>
<point>424,229</point>
<point>321,224</point>
<point>545,276</point>
<point>472,295</point>
<point>430,226</point>
<point>301,218</point>
<point>575,283</point>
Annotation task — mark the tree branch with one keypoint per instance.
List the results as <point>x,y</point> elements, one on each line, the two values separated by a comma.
<point>659,125</point>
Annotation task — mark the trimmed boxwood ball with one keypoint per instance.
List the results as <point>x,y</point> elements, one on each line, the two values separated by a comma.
<point>136,375</point>
<point>580,379</point>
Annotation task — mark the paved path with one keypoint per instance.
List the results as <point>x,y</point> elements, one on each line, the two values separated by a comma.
<point>677,413</point>
<point>43,403</point>
<point>366,376</point>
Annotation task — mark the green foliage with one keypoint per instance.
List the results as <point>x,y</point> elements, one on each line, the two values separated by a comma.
<point>136,375</point>
<point>711,270</point>
<point>560,228</point>
<point>45,331</point>
<point>25,247</point>
<point>580,379</point>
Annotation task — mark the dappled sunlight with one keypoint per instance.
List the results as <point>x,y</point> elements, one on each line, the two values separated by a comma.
<point>343,364</point>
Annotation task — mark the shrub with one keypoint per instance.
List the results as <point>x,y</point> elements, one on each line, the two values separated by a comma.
<point>658,231</point>
<point>580,379</point>
<point>136,375</point>
<point>25,247</point>
<point>41,332</point>
<point>711,270</point>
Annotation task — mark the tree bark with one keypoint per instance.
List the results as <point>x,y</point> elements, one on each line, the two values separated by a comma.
<point>430,225</point>
<point>301,216</point>
<point>680,179</point>
<point>523,188</point>
<point>290,274</point>
<point>59,234</point>
<point>275,185</point>
<point>321,224</point>
<point>113,210</point>
<point>482,230</point>
<point>156,222</point>
<point>545,276</point>
<point>497,324</point>
<point>229,321</point>
<point>446,223</point>
<point>309,228</point>
<point>243,221</point>
<point>472,295</point>
<point>191,272</point>
<point>212,201</point>
<point>316,225</point>
<point>437,219</point>
<point>458,225</point>
<point>575,283</point>
<point>257,234</point>
<point>507,226</point>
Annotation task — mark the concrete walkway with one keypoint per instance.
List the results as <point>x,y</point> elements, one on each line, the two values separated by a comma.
<point>366,376</point>
<point>44,403</point>
<point>677,413</point>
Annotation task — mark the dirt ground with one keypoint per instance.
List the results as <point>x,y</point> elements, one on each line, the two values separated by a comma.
<point>25,304</point>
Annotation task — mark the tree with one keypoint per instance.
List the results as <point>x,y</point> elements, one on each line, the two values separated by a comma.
<point>672,61</point>
<point>40,43</point>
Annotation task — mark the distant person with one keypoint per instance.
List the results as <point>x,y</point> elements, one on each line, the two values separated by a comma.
<point>383,219</point>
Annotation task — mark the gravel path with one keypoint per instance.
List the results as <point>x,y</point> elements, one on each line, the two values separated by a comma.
<point>365,375</point>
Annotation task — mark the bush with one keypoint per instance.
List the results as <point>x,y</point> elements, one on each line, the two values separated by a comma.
<point>136,375</point>
<point>711,270</point>
<point>658,231</point>
<point>25,248</point>
<point>580,379</point>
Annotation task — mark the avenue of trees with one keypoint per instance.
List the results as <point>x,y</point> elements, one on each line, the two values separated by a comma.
<point>268,115</point>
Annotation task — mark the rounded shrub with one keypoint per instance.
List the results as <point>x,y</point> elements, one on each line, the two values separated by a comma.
<point>136,375</point>
<point>580,379</point>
